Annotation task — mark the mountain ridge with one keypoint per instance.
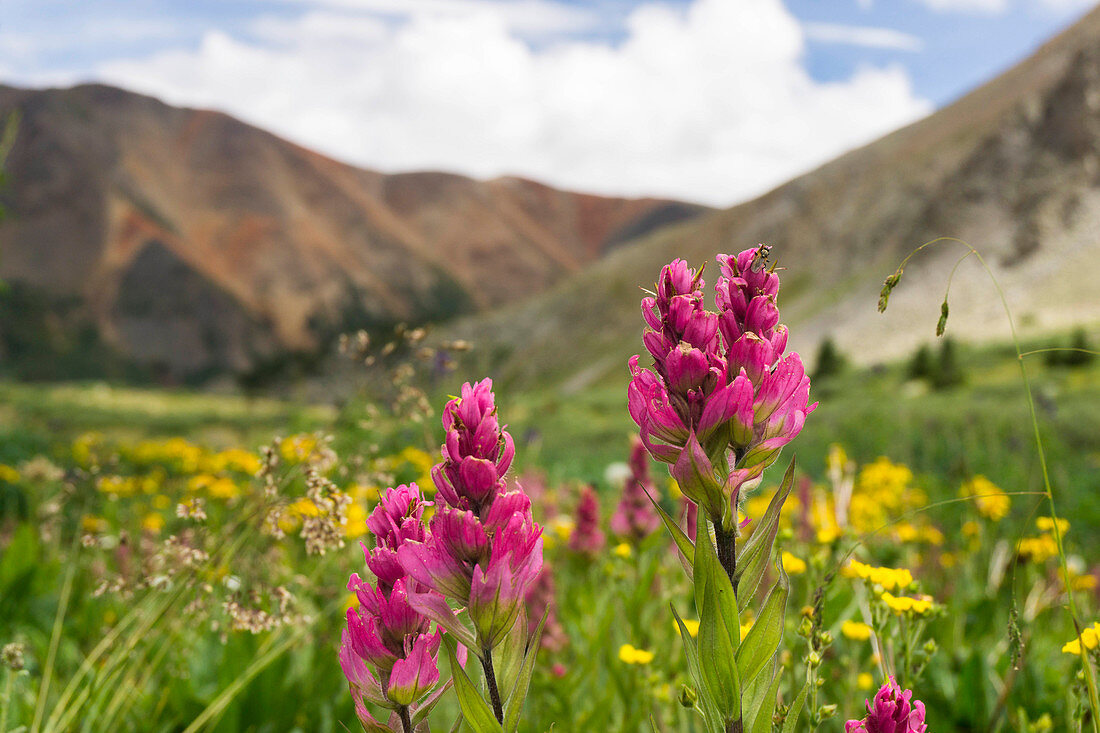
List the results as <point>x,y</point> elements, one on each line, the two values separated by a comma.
<point>111,191</point>
<point>1011,167</point>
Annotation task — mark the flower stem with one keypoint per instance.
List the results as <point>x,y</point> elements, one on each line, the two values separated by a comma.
<point>8,692</point>
<point>726,540</point>
<point>406,721</point>
<point>491,683</point>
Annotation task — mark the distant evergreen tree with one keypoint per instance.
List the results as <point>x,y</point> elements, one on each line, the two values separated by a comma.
<point>948,371</point>
<point>921,366</point>
<point>830,361</point>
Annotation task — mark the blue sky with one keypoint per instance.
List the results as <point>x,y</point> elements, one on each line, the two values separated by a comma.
<point>713,100</point>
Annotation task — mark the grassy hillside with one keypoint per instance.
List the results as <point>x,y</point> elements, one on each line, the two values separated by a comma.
<point>841,229</point>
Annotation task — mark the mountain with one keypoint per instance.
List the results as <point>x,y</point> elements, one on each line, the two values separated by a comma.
<point>187,242</point>
<point>1013,168</point>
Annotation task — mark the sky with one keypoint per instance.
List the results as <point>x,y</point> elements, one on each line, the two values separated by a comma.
<point>713,101</point>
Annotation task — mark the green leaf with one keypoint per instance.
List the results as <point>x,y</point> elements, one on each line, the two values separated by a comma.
<point>765,635</point>
<point>765,706</point>
<point>679,536</point>
<point>795,710</point>
<point>475,711</point>
<point>509,653</point>
<point>719,630</point>
<point>756,554</point>
<point>514,705</point>
<point>709,708</point>
<point>428,704</point>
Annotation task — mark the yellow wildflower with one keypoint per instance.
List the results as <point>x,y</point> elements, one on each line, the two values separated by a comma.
<point>93,524</point>
<point>359,492</point>
<point>623,550</point>
<point>883,476</point>
<point>297,448</point>
<point>906,532</point>
<point>991,501</point>
<point>238,459</point>
<point>8,474</point>
<point>865,681</point>
<point>303,507</point>
<point>674,490</point>
<point>631,655</point>
<point>153,522</point>
<point>223,488</point>
<point>1090,637</point>
<point>793,565</point>
<point>1046,524</point>
<point>889,578</point>
<point>1037,549</point>
<point>350,601</point>
<point>691,625</point>
<point>931,535</point>
<point>948,560</point>
<point>562,526</point>
<point>356,525</point>
<point>84,448</point>
<point>855,630</point>
<point>903,604</point>
<point>422,463</point>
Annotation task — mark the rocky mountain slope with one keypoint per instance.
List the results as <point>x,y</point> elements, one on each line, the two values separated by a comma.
<point>1013,168</point>
<point>191,243</point>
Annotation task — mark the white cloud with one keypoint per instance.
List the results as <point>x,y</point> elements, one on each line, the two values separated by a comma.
<point>529,18</point>
<point>997,7</point>
<point>863,36</point>
<point>968,6</point>
<point>710,102</point>
<point>1067,5</point>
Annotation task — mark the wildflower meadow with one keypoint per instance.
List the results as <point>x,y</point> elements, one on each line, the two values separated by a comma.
<point>714,548</point>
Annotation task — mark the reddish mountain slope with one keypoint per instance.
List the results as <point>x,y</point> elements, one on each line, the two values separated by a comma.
<point>197,243</point>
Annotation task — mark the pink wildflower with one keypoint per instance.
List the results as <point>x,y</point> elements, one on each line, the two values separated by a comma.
<point>635,517</point>
<point>891,712</point>
<point>587,538</point>
<point>387,650</point>
<point>722,400</point>
<point>483,549</point>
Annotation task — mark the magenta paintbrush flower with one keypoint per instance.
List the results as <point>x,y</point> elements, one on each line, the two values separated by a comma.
<point>721,400</point>
<point>485,567</point>
<point>387,650</point>
<point>398,517</point>
<point>483,549</point>
<point>477,452</point>
<point>634,516</point>
<point>892,711</point>
<point>587,538</point>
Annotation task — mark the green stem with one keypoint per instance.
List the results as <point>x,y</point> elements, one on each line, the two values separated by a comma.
<point>491,684</point>
<point>9,689</point>
<point>1094,699</point>
<point>406,721</point>
<point>55,642</point>
<point>726,543</point>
